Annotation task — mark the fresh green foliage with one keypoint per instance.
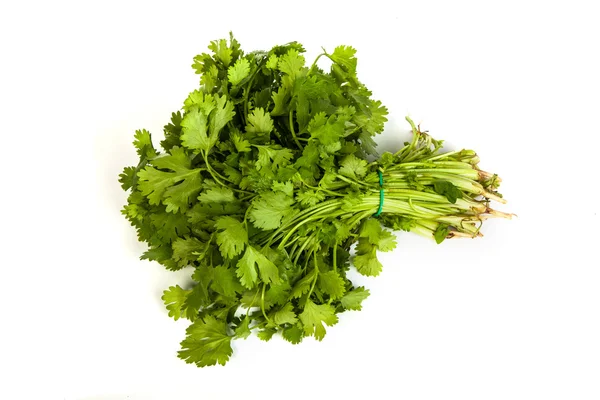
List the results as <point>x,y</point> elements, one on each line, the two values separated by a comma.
<point>262,189</point>
<point>447,189</point>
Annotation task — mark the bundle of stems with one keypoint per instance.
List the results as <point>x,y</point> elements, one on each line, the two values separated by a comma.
<point>421,189</point>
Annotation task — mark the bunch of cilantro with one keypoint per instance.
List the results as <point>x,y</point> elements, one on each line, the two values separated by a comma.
<point>262,186</point>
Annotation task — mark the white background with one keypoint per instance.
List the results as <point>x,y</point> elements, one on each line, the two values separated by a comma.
<point>515,315</point>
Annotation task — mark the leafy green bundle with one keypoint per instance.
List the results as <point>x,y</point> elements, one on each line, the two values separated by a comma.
<point>263,185</point>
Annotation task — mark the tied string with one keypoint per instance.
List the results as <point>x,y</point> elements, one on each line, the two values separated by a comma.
<point>380,209</point>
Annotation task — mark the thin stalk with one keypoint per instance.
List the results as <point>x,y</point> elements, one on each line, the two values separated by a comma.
<point>429,164</point>
<point>312,287</point>
<point>262,303</point>
<point>314,64</point>
<point>457,172</point>
<point>301,249</point>
<point>291,119</point>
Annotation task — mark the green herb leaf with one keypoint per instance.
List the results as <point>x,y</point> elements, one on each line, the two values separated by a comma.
<point>293,334</point>
<point>239,71</point>
<point>354,298</point>
<point>195,131</point>
<point>269,209</point>
<point>259,122</point>
<point>441,233</point>
<point>232,236</point>
<point>207,343</point>
<point>446,188</point>
<point>285,315</point>
<point>353,167</point>
<point>332,284</point>
<point>174,297</point>
<point>247,268</point>
<point>314,316</point>
<point>366,261</point>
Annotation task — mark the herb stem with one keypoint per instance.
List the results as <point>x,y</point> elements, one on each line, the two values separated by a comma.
<point>262,303</point>
<point>291,119</point>
<point>314,282</point>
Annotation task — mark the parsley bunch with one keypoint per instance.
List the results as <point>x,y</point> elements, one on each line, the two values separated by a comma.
<point>262,186</point>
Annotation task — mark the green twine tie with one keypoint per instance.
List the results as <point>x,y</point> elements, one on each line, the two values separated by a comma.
<point>378,213</point>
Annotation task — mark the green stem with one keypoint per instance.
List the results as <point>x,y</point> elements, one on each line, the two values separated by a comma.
<point>306,220</point>
<point>262,303</point>
<point>314,64</point>
<point>291,119</point>
<point>252,303</point>
<point>457,172</point>
<point>430,164</point>
<point>345,179</point>
<point>301,249</point>
<point>216,175</point>
<point>334,258</point>
<point>300,216</point>
<point>210,170</point>
<point>258,325</point>
<point>314,282</point>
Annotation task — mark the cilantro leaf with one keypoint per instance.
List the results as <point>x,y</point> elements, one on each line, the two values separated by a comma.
<point>284,187</point>
<point>285,315</point>
<point>273,61</point>
<point>314,316</point>
<point>345,56</point>
<point>153,183</point>
<point>143,144</point>
<point>174,297</point>
<point>207,343</point>
<point>222,114</point>
<point>377,236</point>
<point>266,334</point>
<point>303,285</point>
<point>446,188</point>
<point>199,296</point>
<point>278,294</point>
<point>280,100</point>
<point>247,268</point>
<point>292,64</point>
<point>354,298</point>
<point>371,230</point>
<point>238,72</point>
<point>259,122</point>
<point>441,233</point>
<point>387,241</point>
<point>225,282</point>
<point>217,195</point>
<point>186,250</point>
<point>199,100</point>
<point>221,51</point>
<point>195,131</point>
<point>353,167</point>
<point>273,157</point>
<point>178,197</point>
<point>309,198</point>
<point>243,329</point>
<point>328,131</point>
<point>293,334</point>
<point>127,177</point>
<point>269,209</point>
<point>231,237</point>
<point>332,284</point>
<point>241,145</point>
<point>366,261</point>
